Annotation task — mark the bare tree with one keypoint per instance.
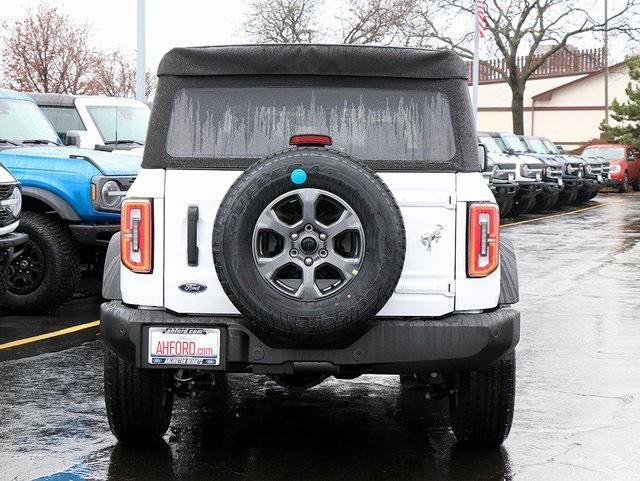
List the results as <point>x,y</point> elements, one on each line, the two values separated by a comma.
<point>45,51</point>
<point>115,75</point>
<point>282,21</point>
<point>517,28</point>
<point>295,21</point>
<point>376,21</point>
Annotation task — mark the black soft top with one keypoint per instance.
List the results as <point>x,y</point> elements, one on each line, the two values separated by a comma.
<point>302,65</point>
<point>303,59</point>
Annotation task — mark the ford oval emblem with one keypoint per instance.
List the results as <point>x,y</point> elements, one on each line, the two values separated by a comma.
<point>192,287</point>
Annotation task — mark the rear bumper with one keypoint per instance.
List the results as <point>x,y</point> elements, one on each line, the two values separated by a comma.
<point>392,346</point>
<point>94,235</point>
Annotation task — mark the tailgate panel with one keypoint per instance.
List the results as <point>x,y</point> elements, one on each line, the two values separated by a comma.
<point>427,202</point>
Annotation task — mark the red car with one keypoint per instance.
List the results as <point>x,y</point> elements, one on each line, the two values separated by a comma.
<point>625,164</point>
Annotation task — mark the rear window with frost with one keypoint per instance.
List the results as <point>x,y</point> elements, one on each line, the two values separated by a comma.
<point>368,123</point>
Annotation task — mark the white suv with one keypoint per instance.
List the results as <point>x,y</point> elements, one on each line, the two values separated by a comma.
<point>91,121</point>
<point>306,211</point>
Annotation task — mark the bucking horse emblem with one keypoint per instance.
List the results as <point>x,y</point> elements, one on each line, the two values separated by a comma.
<point>432,237</point>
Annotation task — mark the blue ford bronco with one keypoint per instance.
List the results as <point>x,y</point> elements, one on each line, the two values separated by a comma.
<point>71,204</point>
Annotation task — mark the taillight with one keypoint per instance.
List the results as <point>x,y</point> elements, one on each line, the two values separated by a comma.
<point>483,239</point>
<point>136,228</point>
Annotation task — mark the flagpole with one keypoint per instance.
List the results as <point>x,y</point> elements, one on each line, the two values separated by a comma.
<point>606,62</point>
<point>140,52</point>
<point>476,66</point>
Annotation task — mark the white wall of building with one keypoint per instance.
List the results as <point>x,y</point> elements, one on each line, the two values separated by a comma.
<point>570,115</point>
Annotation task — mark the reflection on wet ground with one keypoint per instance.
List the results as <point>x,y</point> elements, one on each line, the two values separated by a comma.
<point>577,411</point>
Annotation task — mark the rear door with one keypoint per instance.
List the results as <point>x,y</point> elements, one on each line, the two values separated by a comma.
<point>227,126</point>
<point>428,205</point>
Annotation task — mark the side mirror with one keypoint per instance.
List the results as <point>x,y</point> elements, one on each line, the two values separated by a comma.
<point>75,138</point>
<point>560,149</point>
<point>482,156</point>
<point>509,151</point>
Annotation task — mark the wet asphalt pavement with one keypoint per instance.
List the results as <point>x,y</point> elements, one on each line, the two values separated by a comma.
<point>577,408</point>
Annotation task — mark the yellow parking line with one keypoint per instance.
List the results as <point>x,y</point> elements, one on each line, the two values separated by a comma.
<point>552,216</point>
<point>49,335</point>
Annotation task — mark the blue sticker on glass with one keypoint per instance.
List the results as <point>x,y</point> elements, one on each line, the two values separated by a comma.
<point>298,176</point>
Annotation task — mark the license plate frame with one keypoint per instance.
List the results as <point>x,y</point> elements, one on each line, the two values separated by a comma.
<point>186,332</point>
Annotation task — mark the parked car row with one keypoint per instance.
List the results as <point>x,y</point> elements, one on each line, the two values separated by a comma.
<point>71,196</point>
<point>528,173</point>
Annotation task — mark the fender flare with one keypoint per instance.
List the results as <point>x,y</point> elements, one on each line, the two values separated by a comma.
<point>509,285</point>
<point>111,275</point>
<point>58,204</point>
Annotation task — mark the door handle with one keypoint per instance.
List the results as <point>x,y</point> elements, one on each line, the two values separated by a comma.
<point>193,216</point>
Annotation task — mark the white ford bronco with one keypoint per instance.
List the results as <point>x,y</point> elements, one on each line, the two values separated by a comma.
<point>10,208</point>
<point>306,211</point>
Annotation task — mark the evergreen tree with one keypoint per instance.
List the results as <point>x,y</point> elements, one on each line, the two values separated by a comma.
<point>627,114</point>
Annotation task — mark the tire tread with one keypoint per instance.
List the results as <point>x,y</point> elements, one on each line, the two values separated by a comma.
<point>133,401</point>
<point>482,409</point>
<point>63,274</point>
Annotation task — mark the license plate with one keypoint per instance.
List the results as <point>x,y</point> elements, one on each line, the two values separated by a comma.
<point>560,182</point>
<point>599,177</point>
<point>511,177</point>
<point>538,177</point>
<point>184,346</point>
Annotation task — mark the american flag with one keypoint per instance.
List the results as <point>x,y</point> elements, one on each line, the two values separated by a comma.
<point>481,9</point>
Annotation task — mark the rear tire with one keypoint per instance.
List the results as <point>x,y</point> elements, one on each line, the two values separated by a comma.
<point>139,404</point>
<point>46,269</point>
<point>624,186</point>
<point>636,184</point>
<point>481,409</point>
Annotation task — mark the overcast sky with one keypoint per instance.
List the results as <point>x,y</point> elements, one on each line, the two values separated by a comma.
<point>172,23</point>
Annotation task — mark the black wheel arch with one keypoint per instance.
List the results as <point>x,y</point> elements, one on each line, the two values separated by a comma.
<point>509,285</point>
<point>40,200</point>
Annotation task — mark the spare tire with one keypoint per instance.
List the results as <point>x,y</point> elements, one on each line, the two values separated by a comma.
<point>309,245</point>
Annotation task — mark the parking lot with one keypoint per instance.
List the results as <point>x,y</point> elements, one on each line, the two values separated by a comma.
<point>577,411</point>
